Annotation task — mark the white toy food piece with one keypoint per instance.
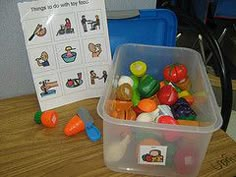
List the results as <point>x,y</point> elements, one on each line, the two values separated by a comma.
<point>125,79</point>
<point>165,110</point>
<point>116,150</point>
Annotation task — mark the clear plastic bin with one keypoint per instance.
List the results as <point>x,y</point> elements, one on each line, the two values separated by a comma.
<point>125,141</point>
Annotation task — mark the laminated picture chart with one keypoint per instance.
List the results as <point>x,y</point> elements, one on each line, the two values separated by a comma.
<point>68,49</point>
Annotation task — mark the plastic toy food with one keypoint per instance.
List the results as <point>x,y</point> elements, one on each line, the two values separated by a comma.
<point>116,151</point>
<point>124,92</point>
<point>184,93</point>
<point>142,98</point>
<point>175,72</point>
<point>167,120</point>
<point>74,126</point>
<point>125,79</point>
<point>186,160</point>
<point>167,95</point>
<point>135,81</point>
<point>171,150</point>
<point>137,110</point>
<point>187,96</point>
<point>135,97</point>
<point>147,105</point>
<point>144,117</point>
<point>117,105</point>
<point>165,110</point>
<point>148,116</point>
<point>130,114</point>
<point>189,99</point>
<point>182,110</point>
<point>127,114</point>
<point>184,84</point>
<point>148,86</point>
<point>47,118</point>
<point>188,122</point>
<point>138,68</point>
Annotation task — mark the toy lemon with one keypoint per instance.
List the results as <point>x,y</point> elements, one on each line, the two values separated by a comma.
<point>138,68</point>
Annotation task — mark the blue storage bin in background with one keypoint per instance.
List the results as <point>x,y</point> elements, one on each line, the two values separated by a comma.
<point>153,27</point>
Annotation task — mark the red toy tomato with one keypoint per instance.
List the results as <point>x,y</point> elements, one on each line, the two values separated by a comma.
<point>175,72</point>
<point>167,95</point>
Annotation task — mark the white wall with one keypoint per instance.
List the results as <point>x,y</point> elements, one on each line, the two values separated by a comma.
<point>15,74</point>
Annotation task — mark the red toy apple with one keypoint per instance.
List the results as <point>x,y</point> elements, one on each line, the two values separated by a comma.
<point>167,95</point>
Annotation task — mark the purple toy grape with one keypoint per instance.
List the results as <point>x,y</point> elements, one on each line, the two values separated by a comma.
<point>182,110</point>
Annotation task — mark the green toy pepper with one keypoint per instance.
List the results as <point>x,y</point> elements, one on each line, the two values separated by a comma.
<point>148,86</point>
<point>135,80</point>
<point>135,97</point>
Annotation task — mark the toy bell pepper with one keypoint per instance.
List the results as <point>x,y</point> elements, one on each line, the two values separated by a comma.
<point>148,86</point>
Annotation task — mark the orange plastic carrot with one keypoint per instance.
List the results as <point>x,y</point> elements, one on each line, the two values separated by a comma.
<point>49,118</point>
<point>74,126</point>
<point>147,105</point>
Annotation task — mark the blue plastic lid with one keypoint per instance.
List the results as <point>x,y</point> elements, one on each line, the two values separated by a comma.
<point>152,27</point>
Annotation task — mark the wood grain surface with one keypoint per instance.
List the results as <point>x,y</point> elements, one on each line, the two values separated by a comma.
<point>29,149</point>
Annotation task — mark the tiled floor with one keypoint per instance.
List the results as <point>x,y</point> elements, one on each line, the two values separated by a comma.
<point>231,130</point>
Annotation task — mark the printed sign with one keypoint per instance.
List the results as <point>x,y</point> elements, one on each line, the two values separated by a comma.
<point>152,155</point>
<point>68,49</point>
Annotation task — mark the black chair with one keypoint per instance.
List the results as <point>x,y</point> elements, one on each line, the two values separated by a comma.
<point>190,23</point>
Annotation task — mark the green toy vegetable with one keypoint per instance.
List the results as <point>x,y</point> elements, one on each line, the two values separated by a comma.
<point>135,97</point>
<point>135,80</point>
<point>148,86</point>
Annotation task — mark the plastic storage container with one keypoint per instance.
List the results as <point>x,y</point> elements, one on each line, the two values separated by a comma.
<point>150,27</point>
<point>180,149</point>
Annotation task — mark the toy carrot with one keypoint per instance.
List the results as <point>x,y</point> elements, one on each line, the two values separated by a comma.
<point>74,126</point>
<point>47,118</point>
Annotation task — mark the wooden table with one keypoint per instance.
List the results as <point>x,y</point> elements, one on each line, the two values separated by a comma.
<point>29,149</point>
